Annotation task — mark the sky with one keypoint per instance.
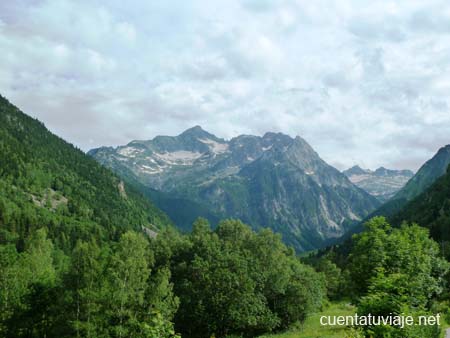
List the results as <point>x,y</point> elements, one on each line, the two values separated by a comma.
<point>364,82</point>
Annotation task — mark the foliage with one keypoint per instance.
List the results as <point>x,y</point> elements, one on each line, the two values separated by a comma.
<point>74,263</point>
<point>336,280</point>
<point>46,182</point>
<point>71,261</point>
<point>235,281</point>
<point>396,271</point>
<point>431,209</point>
<point>312,327</point>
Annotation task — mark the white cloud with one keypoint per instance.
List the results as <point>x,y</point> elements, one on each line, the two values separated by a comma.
<point>127,31</point>
<point>363,82</point>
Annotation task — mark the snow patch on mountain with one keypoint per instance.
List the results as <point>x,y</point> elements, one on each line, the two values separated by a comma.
<point>180,157</point>
<point>129,151</point>
<point>151,170</point>
<point>215,147</point>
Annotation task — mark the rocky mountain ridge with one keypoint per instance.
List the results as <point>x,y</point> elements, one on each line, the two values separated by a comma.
<point>382,183</point>
<point>272,181</point>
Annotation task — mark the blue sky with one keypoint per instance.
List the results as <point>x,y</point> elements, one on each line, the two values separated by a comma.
<point>364,82</point>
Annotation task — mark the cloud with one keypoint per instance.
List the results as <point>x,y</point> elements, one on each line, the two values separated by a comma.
<point>364,82</point>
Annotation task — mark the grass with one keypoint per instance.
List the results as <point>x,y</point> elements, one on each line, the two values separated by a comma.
<point>311,328</point>
<point>444,325</point>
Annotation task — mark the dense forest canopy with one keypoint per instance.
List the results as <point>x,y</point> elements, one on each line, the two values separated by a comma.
<point>432,210</point>
<point>44,181</point>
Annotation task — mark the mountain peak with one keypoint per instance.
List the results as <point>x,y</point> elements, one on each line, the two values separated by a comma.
<point>355,170</point>
<point>225,178</point>
<point>426,175</point>
<point>272,134</point>
<point>199,133</point>
<point>382,171</point>
<point>444,150</point>
<point>194,130</point>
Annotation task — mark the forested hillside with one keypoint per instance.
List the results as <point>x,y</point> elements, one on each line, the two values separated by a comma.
<point>47,182</point>
<point>66,250</point>
<point>431,209</point>
<point>428,173</point>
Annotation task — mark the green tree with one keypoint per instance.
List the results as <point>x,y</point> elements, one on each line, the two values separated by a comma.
<point>130,289</point>
<point>35,316</point>
<point>85,282</point>
<point>406,273</point>
<point>38,254</point>
<point>128,276</point>
<point>368,253</point>
<point>13,284</point>
<point>235,281</point>
<point>335,279</point>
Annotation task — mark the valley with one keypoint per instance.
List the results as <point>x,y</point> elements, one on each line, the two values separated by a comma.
<point>224,169</point>
<point>96,255</point>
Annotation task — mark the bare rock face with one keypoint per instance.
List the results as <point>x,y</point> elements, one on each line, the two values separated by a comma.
<point>271,181</point>
<point>382,183</point>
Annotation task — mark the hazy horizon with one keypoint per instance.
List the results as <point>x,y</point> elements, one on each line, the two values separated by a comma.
<point>363,83</point>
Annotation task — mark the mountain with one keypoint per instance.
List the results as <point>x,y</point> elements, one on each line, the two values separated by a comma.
<point>382,183</point>
<point>422,180</point>
<point>355,170</point>
<point>427,175</point>
<point>45,181</point>
<point>72,236</point>
<point>430,209</point>
<point>270,181</point>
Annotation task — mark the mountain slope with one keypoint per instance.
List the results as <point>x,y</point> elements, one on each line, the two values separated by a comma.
<point>427,175</point>
<point>424,178</point>
<point>382,183</point>
<point>45,181</point>
<point>430,209</point>
<point>271,181</point>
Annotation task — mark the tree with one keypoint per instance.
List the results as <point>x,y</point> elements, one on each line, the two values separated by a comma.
<point>235,281</point>
<point>34,293</point>
<point>39,258</point>
<point>130,289</point>
<point>128,274</point>
<point>13,284</point>
<point>335,278</point>
<point>85,283</point>
<point>401,271</point>
<point>368,253</point>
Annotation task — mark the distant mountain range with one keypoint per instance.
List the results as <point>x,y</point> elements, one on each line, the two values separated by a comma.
<point>415,189</point>
<point>433,169</point>
<point>271,181</point>
<point>382,183</point>
<point>421,191</point>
